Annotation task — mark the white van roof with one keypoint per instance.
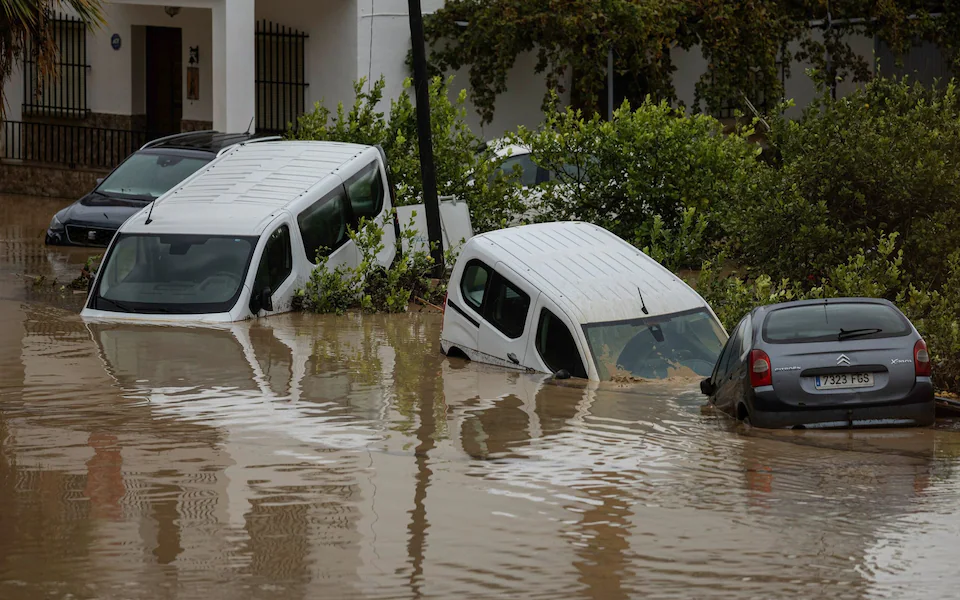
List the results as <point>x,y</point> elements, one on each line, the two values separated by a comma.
<point>240,192</point>
<point>590,272</point>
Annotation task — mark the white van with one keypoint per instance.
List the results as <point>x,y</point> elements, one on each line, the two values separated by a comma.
<point>239,236</point>
<point>574,297</point>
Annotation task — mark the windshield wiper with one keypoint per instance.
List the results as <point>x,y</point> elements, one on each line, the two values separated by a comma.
<point>122,306</point>
<point>852,333</point>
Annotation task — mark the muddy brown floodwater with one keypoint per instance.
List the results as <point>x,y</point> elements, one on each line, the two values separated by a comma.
<point>306,457</point>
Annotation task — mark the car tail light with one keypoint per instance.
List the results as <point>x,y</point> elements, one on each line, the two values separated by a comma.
<point>760,372</point>
<point>921,359</point>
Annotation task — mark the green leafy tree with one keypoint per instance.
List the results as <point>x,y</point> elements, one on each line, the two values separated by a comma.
<point>465,169</point>
<point>880,159</point>
<point>25,25</point>
<point>744,43</point>
<point>651,175</point>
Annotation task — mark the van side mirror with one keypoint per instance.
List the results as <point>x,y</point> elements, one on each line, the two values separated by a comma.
<point>266,299</point>
<point>706,387</point>
<point>99,180</point>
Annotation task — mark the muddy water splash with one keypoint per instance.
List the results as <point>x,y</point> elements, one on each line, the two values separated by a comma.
<point>314,457</point>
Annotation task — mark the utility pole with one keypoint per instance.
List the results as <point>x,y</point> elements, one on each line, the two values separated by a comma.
<point>427,168</point>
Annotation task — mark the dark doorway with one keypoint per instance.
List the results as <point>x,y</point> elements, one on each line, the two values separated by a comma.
<point>164,79</point>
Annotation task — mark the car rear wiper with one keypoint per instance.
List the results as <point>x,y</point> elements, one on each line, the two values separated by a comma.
<point>852,333</point>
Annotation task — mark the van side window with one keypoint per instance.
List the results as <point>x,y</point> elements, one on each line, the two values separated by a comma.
<point>557,347</point>
<point>276,264</point>
<point>506,306</point>
<point>323,225</point>
<point>365,191</point>
<point>473,283</point>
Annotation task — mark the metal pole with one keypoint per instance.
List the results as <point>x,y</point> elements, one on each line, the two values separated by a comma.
<point>610,84</point>
<point>427,167</point>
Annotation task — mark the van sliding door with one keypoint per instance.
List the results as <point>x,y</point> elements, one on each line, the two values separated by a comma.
<point>507,318</point>
<point>324,228</point>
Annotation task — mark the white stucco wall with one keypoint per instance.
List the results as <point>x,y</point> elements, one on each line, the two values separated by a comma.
<point>383,44</point>
<point>110,80</point>
<point>520,105</point>
<point>691,65</point>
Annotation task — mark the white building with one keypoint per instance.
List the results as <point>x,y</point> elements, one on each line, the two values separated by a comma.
<point>220,63</point>
<point>158,68</point>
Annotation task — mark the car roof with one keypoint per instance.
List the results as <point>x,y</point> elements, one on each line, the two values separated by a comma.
<point>244,189</point>
<point>205,141</point>
<point>590,272</point>
<point>502,148</point>
<point>820,301</point>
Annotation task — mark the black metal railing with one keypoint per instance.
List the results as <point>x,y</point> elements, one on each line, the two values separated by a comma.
<point>281,84</point>
<point>63,92</point>
<point>69,145</point>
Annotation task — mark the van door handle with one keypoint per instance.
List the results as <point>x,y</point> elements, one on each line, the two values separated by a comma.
<point>513,358</point>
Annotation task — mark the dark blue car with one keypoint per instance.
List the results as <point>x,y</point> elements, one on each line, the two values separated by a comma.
<point>140,179</point>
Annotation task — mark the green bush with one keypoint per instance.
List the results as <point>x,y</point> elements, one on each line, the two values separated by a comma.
<point>675,249</point>
<point>464,168</point>
<point>369,286</point>
<point>883,158</point>
<point>640,173</point>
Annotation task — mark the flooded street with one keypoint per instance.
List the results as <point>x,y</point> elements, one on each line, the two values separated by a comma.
<point>345,457</point>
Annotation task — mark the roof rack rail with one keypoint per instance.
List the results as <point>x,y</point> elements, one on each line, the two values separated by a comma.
<point>269,138</point>
<point>153,143</point>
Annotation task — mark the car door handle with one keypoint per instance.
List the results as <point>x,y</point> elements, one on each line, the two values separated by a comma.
<point>513,358</point>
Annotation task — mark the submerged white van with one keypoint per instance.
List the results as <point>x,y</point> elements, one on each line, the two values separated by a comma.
<point>574,297</point>
<point>239,236</point>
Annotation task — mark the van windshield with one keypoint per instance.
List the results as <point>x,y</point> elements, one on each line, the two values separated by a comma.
<point>684,344</point>
<point>180,274</point>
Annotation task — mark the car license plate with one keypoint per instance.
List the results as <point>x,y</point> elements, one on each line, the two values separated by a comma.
<point>844,380</point>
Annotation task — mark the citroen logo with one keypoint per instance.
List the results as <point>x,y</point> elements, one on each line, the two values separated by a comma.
<point>91,235</point>
<point>843,361</point>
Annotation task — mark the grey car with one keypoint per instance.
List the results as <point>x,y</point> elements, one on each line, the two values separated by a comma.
<point>844,362</point>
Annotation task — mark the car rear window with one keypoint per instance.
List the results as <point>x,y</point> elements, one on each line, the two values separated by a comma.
<point>833,322</point>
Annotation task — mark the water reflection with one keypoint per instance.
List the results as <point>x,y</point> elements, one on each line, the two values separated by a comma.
<point>309,457</point>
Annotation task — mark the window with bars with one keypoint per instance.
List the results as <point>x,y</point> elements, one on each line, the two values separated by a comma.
<point>281,84</point>
<point>63,92</point>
